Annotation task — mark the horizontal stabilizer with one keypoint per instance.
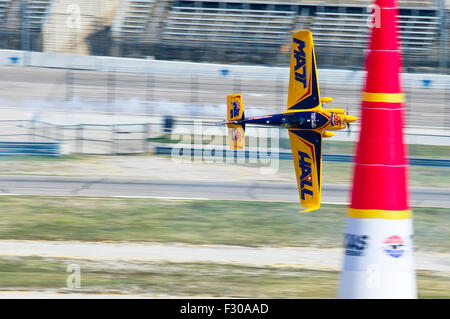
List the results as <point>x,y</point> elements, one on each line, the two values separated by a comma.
<point>235,107</point>
<point>236,136</point>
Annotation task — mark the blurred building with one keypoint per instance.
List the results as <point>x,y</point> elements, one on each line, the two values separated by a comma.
<point>240,32</point>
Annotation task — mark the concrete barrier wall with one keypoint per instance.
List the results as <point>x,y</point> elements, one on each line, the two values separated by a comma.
<point>128,65</point>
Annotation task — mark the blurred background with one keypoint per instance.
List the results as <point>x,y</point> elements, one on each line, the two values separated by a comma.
<point>95,94</point>
<point>238,32</point>
<point>136,58</point>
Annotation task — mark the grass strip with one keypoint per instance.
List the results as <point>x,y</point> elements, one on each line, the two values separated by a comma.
<point>243,223</point>
<point>185,280</point>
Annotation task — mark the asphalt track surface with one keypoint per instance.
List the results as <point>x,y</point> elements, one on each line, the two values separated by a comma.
<point>219,190</point>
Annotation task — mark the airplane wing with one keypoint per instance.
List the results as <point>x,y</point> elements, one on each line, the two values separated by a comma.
<point>306,148</point>
<point>303,83</point>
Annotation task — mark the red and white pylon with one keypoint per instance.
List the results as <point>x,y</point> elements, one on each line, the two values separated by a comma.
<point>378,260</point>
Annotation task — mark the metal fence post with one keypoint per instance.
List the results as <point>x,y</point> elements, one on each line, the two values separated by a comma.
<point>25,27</point>
<point>279,91</point>
<point>149,92</point>
<point>69,84</point>
<point>43,132</point>
<point>111,91</point>
<point>79,139</point>
<point>59,132</point>
<point>406,90</point>
<point>60,135</point>
<point>145,137</point>
<point>446,105</point>
<point>409,105</point>
<point>32,131</point>
<point>194,90</point>
<point>443,39</point>
<point>113,139</point>
<point>237,84</point>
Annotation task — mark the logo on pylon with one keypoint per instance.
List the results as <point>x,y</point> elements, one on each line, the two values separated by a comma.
<point>355,245</point>
<point>394,246</point>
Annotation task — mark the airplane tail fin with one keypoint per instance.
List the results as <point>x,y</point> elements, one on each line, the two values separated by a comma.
<point>235,108</point>
<point>236,125</point>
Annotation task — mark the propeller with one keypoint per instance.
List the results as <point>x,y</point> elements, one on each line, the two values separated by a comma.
<point>349,119</point>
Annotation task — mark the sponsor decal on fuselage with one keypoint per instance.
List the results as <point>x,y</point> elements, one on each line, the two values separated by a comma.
<point>335,120</point>
<point>313,120</point>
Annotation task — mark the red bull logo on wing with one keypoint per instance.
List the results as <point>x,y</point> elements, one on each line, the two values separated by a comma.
<point>300,70</point>
<point>306,176</point>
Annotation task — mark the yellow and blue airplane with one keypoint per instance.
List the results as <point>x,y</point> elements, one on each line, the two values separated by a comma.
<point>305,118</point>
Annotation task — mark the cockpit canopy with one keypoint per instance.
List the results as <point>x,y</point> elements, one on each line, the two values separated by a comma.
<point>305,120</point>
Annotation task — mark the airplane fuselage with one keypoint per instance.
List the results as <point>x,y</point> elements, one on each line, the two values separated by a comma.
<point>308,120</point>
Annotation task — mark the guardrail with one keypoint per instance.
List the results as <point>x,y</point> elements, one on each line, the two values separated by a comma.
<point>235,154</point>
<point>30,148</point>
<point>27,136</point>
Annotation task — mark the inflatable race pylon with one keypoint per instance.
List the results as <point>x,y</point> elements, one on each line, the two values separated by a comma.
<point>378,249</point>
